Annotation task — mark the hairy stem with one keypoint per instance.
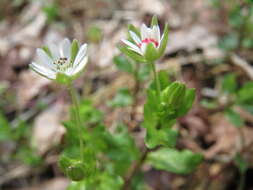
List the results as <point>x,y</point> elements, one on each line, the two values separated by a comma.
<point>157,83</point>
<point>77,117</point>
<point>135,168</point>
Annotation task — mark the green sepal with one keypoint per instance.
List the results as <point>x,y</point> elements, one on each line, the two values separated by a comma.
<point>164,41</point>
<point>154,21</point>
<point>151,53</point>
<point>187,102</point>
<point>134,29</point>
<point>47,51</point>
<point>61,78</point>
<point>74,50</point>
<point>173,95</point>
<point>131,54</point>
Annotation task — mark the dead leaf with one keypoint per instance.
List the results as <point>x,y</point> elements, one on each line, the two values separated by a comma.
<point>48,129</point>
<point>30,84</point>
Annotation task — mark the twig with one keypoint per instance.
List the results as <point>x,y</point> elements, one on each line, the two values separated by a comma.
<point>242,64</point>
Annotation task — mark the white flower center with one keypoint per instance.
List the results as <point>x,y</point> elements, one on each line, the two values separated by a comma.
<point>62,64</point>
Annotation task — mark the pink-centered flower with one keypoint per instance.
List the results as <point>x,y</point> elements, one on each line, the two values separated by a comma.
<point>148,35</point>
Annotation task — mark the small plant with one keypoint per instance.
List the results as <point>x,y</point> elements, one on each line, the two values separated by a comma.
<point>96,158</point>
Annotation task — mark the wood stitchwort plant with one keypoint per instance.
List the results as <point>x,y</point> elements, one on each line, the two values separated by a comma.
<point>97,158</point>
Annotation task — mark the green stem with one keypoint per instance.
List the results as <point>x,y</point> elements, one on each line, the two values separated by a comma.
<point>158,87</point>
<point>77,117</point>
<point>241,182</point>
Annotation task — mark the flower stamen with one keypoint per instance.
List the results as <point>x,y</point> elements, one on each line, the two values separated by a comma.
<point>62,64</point>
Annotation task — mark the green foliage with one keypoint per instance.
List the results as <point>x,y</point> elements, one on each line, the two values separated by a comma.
<point>245,94</point>
<point>240,21</point>
<point>160,115</point>
<point>21,136</point>
<point>28,156</point>
<point>229,83</point>
<point>107,156</point>
<point>139,71</point>
<point>94,34</point>
<point>123,64</point>
<point>5,129</point>
<point>122,98</point>
<point>180,162</point>
<point>165,137</point>
<point>51,11</point>
<point>74,169</point>
<point>241,163</point>
<point>234,118</point>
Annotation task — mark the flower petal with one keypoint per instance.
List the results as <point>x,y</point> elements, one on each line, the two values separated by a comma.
<point>132,46</point>
<point>144,32</point>
<point>44,59</point>
<point>54,51</point>
<point>143,48</point>
<point>136,39</point>
<point>65,48</point>
<point>156,33</point>
<point>80,55</point>
<point>43,71</point>
<point>80,66</point>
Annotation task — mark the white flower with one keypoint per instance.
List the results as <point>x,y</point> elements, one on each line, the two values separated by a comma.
<point>148,35</point>
<point>60,60</point>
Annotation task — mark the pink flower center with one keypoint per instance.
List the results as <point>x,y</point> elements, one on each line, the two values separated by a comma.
<point>147,41</point>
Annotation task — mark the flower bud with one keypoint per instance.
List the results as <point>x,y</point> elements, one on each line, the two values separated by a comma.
<point>173,95</point>
<point>73,169</point>
<point>76,171</point>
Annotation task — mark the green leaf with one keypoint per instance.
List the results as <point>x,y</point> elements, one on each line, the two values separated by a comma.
<point>5,128</point>
<point>143,71</point>
<point>151,53</point>
<point>229,84</point>
<point>95,34</point>
<point>74,50</point>
<point>51,10</point>
<point>28,156</point>
<point>132,54</point>
<point>123,64</point>
<point>122,98</point>
<point>166,137</point>
<point>164,41</point>
<point>121,149</point>
<point>245,94</point>
<point>154,21</point>
<point>187,102</point>
<point>234,118</point>
<point>180,162</point>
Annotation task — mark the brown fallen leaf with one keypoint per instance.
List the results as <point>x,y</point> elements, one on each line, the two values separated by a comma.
<point>29,85</point>
<point>48,130</point>
<point>59,183</point>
